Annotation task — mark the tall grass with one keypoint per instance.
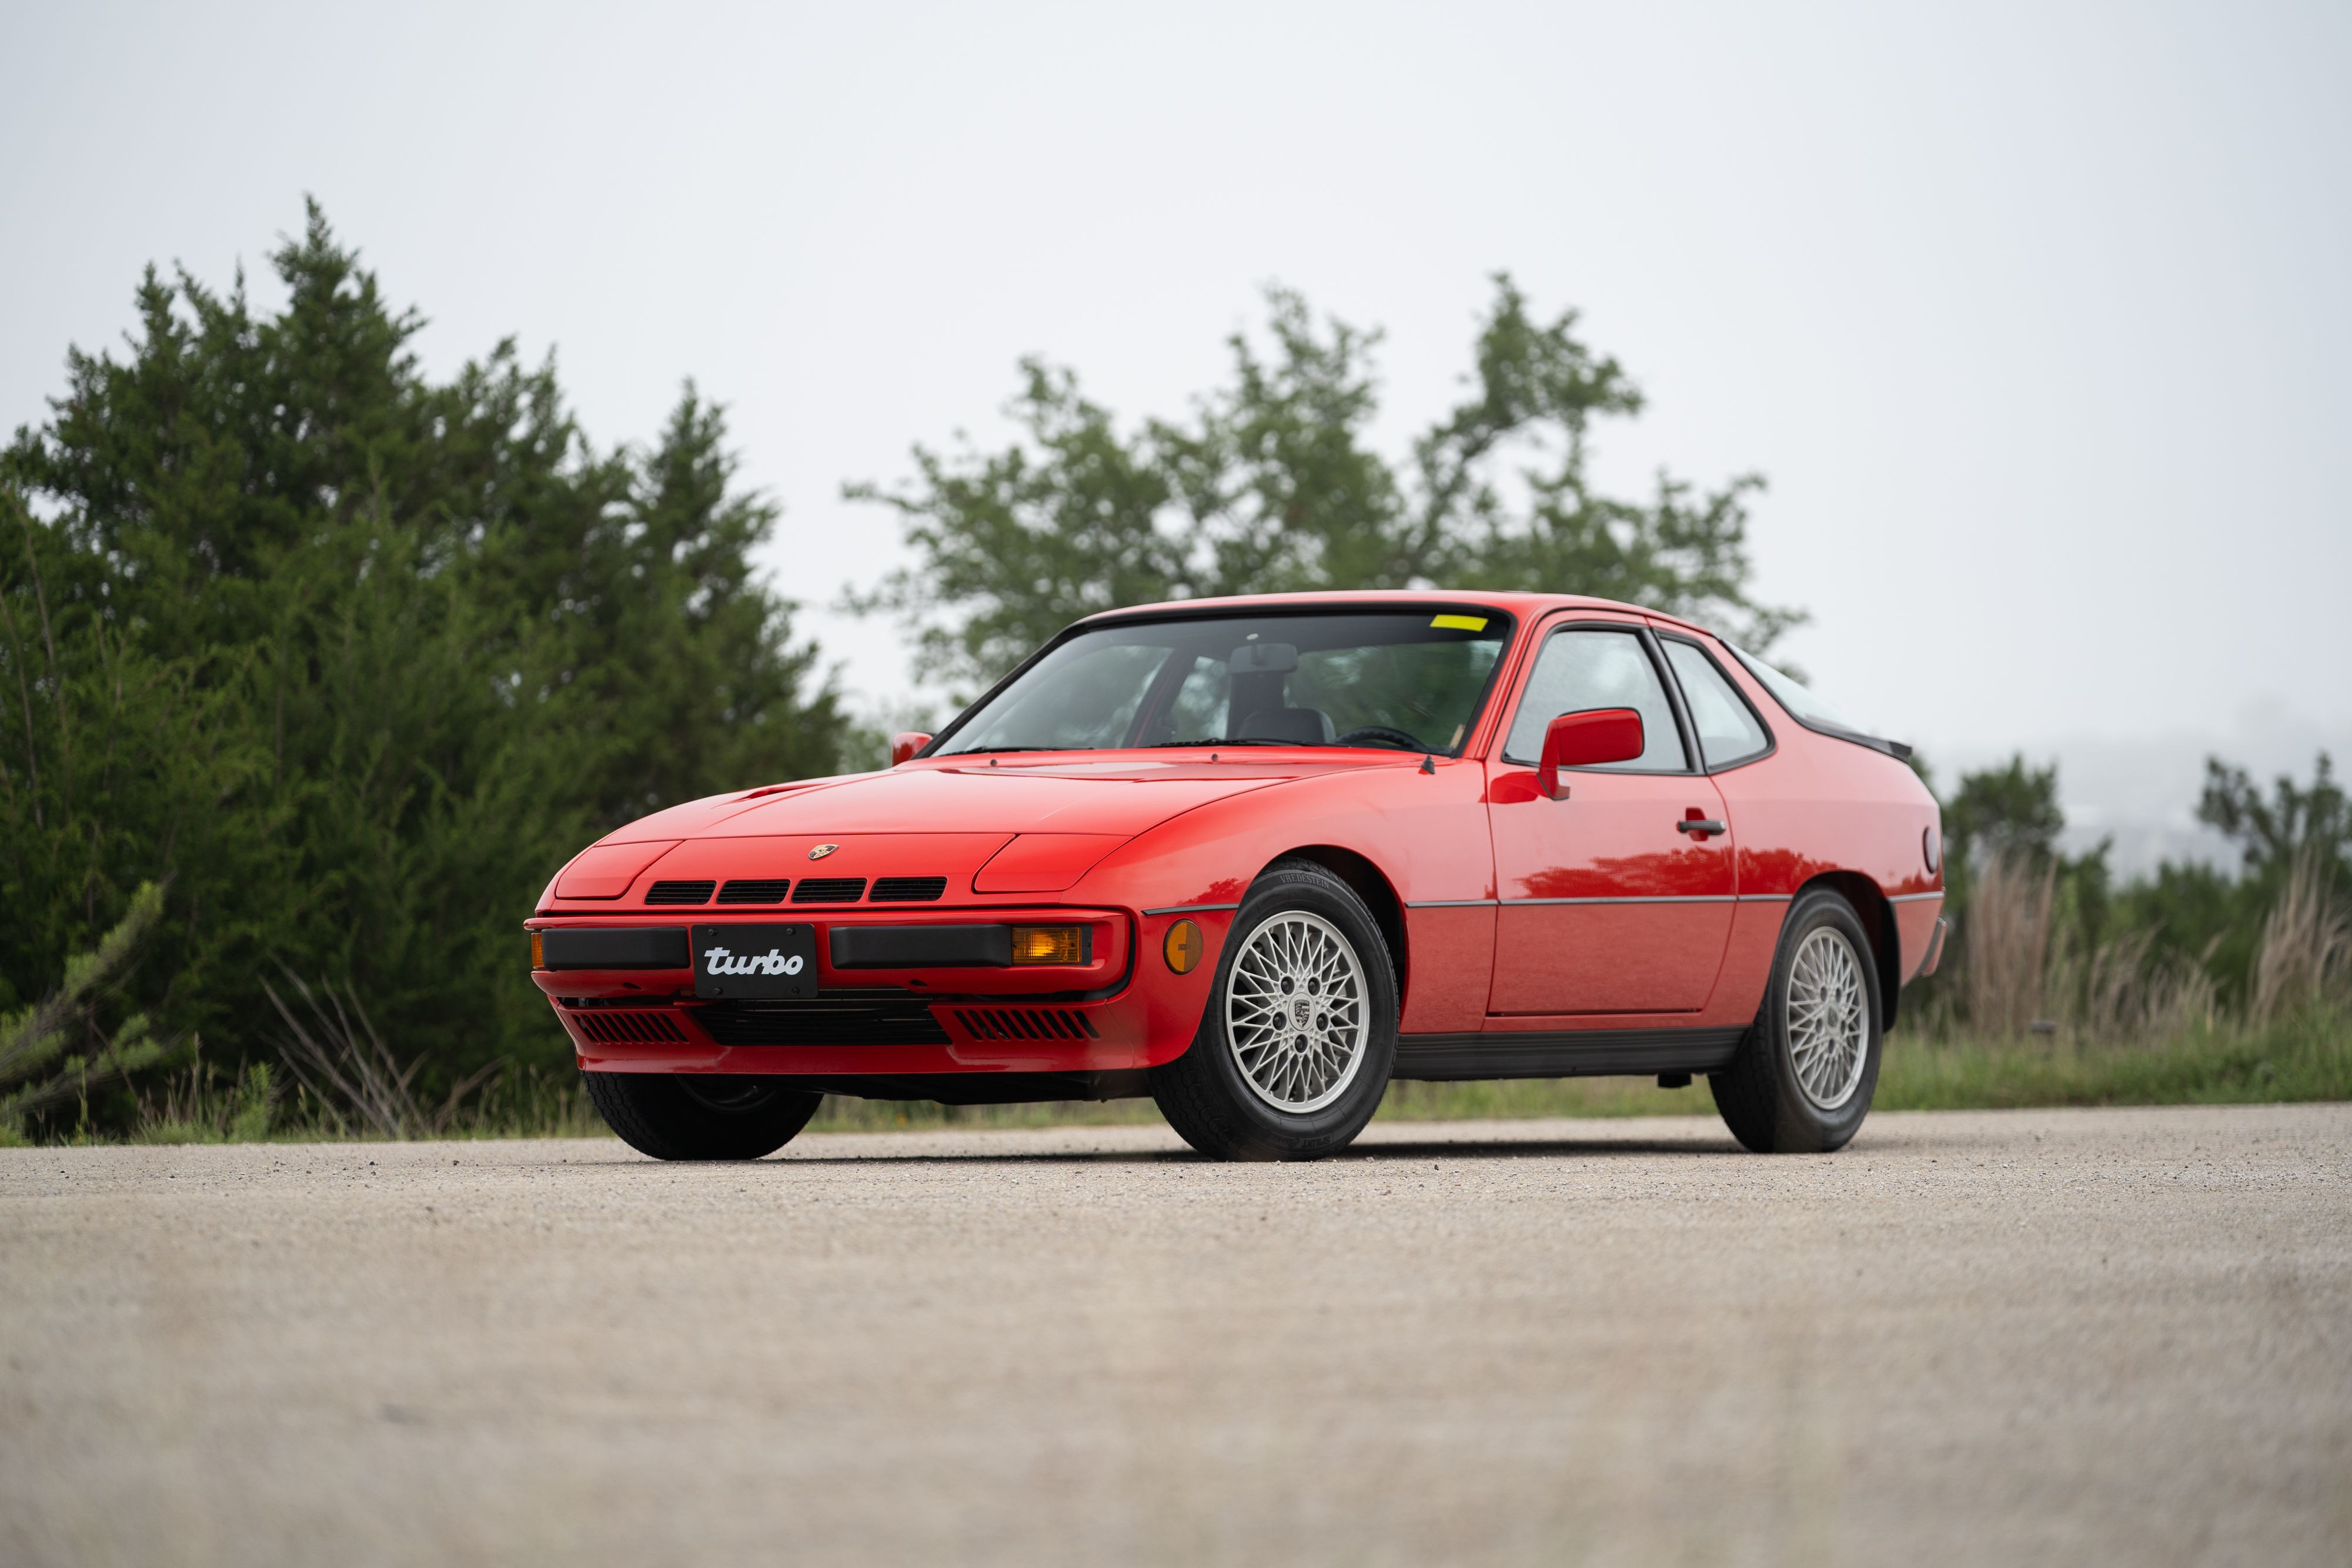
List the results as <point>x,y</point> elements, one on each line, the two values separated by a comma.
<point>205,1103</point>
<point>2305,1054</point>
<point>2305,945</point>
<point>2033,1020</point>
<point>2040,1022</point>
<point>332,1047</point>
<point>2005,972</point>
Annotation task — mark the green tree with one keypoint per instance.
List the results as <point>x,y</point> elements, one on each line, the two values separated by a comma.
<point>2220,919</point>
<point>350,660</point>
<point>53,1051</point>
<point>1273,483</point>
<point>2294,821</point>
<point>2011,808</point>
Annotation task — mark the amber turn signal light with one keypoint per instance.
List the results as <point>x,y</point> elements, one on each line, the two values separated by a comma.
<point>1182,948</point>
<point>1048,945</point>
<point>538,952</point>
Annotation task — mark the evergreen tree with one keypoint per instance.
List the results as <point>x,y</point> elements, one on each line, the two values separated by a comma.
<point>351,661</point>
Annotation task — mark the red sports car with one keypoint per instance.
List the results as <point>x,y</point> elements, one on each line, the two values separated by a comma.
<point>1258,857</point>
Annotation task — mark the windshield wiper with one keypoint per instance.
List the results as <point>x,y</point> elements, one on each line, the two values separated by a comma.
<point>985,751</point>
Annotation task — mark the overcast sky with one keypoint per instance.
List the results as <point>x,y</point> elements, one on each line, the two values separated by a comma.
<point>2037,317</point>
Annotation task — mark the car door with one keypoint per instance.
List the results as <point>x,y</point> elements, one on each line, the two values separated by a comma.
<point>1617,896</point>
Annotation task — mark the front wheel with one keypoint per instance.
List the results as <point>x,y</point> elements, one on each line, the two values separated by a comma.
<point>1803,1077</point>
<point>683,1116</point>
<point>1294,1052</point>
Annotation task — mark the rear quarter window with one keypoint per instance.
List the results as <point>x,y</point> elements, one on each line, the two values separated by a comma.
<point>1729,730</point>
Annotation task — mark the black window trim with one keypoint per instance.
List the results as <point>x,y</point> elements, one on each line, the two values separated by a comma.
<point>1152,617</point>
<point>1771,741</point>
<point>1648,641</point>
<point>1898,749</point>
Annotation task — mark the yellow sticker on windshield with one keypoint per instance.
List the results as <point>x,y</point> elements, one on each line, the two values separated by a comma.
<point>1458,622</point>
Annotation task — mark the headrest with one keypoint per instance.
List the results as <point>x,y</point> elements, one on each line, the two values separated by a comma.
<point>1300,725</point>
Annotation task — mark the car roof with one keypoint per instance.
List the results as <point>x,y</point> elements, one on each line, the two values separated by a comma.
<point>1526,606</point>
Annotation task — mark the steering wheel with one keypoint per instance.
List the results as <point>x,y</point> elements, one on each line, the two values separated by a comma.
<point>1383,734</point>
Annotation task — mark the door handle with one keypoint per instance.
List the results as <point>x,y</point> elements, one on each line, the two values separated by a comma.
<point>1699,826</point>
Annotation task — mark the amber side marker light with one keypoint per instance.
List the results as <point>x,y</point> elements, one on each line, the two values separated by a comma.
<point>538,952</point>
<point>1048,945</point>
<point>1182,948</point>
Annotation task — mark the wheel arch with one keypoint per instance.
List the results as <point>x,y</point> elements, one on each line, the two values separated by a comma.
<point>1878,916</point>
<point>1369,882</point>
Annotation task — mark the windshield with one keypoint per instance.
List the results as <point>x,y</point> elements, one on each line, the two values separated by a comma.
<point>1406,680</point>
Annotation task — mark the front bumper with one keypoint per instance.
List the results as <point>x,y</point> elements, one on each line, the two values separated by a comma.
<point>1121,1012</point>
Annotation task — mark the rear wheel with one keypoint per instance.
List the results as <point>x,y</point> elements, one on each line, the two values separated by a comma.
<point>682,1116</point>
<point>1803,1080</point>
<point>1293,1051</point>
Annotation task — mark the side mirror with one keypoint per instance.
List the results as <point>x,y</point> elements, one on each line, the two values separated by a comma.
<point>905,743</point>
<point>1588,739</point>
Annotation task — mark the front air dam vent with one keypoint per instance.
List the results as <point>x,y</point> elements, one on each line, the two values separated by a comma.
<point>1025,1023</point>
<point>629,1028</point>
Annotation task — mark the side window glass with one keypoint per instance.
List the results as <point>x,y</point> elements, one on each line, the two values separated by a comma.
<point>1590,667</point>
<point>1727,731</point>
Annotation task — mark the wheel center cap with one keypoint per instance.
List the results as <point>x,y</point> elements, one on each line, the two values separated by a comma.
<point>1301,1010</point>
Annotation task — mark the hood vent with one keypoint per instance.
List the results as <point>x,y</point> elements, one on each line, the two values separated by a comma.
<point>909,889</point>
<point>679,893</point>
<point>769,892</point>
<point>829,890</point>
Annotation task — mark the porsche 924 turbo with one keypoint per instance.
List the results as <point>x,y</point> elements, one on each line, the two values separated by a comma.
<point>1256,858</point>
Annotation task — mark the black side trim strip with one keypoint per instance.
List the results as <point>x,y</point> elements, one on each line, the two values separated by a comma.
<point>923,946</point>
<point>1647,898</point>
<point>1566,1053</point>
<point>1192,909</point>
<point>615,948</point>
<point>1529,902</point>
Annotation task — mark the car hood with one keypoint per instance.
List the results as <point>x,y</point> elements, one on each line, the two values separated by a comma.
<point>968,796</point>
<point>957,819</point>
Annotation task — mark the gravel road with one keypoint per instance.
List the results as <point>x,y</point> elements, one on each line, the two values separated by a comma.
<point>2117,1337</point>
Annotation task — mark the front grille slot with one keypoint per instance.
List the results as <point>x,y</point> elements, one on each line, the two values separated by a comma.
<point>629,1028</point>
<point>829,890</point>
<point>764,891</point>
<point>1025,1023</point>
<point>909,889</point>
<point>874,1016</point>
<point>679,893</point>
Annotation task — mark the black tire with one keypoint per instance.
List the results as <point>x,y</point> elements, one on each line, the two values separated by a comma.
<point>1764,1100</point>
<point>1205,1093</point>
<point>674,1116</point>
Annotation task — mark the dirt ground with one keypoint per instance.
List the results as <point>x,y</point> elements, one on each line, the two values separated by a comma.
<point>2119,1336</point>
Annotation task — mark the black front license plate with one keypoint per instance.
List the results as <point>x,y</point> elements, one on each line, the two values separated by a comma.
<point>754,961</point>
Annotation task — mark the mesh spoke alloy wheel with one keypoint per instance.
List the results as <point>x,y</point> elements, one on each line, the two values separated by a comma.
<point>1296,1015</point>
<point>1828,1018</point>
